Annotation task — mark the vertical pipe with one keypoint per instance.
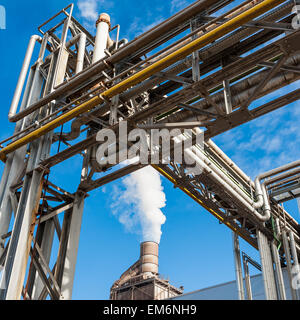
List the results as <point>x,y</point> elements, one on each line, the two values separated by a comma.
<point>288,263</point>
<point>267,266</point>
<point>293,248</point>
<point>295,268</point>
<point>103,26</point>
<point>281,287</point>
<point>247,279</point>
<point>80,53</point>
<point>22,76</point>
<point>238,266</point>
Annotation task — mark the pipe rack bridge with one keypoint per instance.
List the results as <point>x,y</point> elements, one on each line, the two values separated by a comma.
<point>197,69</point>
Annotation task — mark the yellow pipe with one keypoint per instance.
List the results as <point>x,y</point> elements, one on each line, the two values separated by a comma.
<point>160,65</point>
<point>220,218</point>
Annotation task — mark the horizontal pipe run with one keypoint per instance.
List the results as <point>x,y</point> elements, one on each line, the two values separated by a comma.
<point>86,106</point>
<point>278,170</point>
<point>122,53</point>
<point>158,55</point>
<point>260,189</point>
<point>281,183</point>
<point>214,213</point>
<point>229,185</point>
<point>77,123</point>
<point>282,176</point>
<point>229,162</point>
<point>145,73</point>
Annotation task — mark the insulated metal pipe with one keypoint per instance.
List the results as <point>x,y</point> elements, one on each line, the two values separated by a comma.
<point>80,53</point>
<point>247,279</point>
<point>101,40</point>
<point>22,76</point>
<point>229,162</point>
<point>232,13</point>
<point>145,73</point>
<point>280,281</point>
<point>278,170</point>
<point>81,39</point>
<point>287,252</point>
<point>221,178</point>
<point>295,269</point>
<point>260,188</point>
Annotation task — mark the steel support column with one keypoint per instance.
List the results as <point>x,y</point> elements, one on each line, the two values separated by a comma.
<point>247,279</point>
<point>238,266</point>
<point>68,272</point>
<point>18,251</point>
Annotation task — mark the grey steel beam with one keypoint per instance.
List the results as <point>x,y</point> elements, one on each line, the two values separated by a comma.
<point>178,79</point>
<point>275,68</point>
<point>44,293</point>
<point>247,280</point>
<point>198,111</point>
<point>46,249</point>
<point>54,212</point>
<point>44,263</point>
<point>18,252</point>
<point>289,68</point>
<point>53,293</point>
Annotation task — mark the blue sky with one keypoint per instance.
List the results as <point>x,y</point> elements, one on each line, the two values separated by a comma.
<point>195,250</point>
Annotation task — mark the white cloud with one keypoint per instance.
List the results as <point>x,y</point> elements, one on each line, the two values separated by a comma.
<point>88,9</point>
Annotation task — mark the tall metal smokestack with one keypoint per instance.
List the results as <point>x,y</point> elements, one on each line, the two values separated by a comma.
<point>149,257</point>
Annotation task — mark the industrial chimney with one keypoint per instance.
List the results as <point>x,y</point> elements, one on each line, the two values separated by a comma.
<point>142,281</point>
<point>149,257</point>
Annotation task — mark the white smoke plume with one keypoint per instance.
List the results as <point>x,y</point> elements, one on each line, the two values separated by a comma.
<point>141,202</point>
